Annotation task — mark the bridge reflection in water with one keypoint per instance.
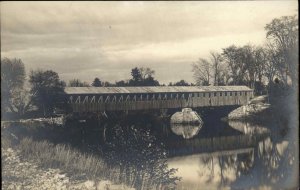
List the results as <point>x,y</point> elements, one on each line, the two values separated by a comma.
<point>213,144</point>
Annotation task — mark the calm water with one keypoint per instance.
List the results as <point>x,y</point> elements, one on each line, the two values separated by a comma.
<point>218,155</point>
<point>240,156</point>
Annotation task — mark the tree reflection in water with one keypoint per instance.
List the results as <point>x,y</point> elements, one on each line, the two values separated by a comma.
<point>225,167</point>
<point>274,164</point>
<point>268,162</point>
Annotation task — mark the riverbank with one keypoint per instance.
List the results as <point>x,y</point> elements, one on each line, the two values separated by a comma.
<point>278,117</point>
<point>257,109</point>
<point>34,165</point>
<point>19,173</point>
<point>82,152</point>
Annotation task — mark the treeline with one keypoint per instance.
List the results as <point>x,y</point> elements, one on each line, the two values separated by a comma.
<point>255,66</point>
<point>259,67</point>
<point>140,77</point>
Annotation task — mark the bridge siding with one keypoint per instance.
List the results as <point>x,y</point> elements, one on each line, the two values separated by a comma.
<point>191,102</point>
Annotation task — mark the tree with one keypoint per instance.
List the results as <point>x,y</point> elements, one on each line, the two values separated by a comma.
<point>142,77</point>
<point>283,35</point>
<point>248,61</point>
<point>148,167</point>
<point>97,82</point>
<point>219,75</point>
<point>180,83</point>
<point>121,83</point>
<point>107,84</point>
<point>12,83</point>
<point>146,72</point>
<point>77,83</point>
<point>47,90</point>
<point>136,75</point>
<point>202,72</point>
<point>233,57</point>
<point>21,101</point>
<point>149,81</point>
<point>273,64</point>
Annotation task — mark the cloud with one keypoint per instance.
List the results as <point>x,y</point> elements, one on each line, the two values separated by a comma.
<point>107,39</point>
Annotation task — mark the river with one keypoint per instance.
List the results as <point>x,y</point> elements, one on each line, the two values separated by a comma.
<point>150,152</point>
<point>232,155</point>
<point>218,155</point>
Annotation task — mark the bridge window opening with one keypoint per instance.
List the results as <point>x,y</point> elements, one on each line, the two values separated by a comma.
<point>215,94</point>
<point>172,96</point>
<point>221,93</point>
<point>235,93</point>
<point>225,93</point>
<point>151,96</point>
<point>230,93</point>
<point>209,94</point>
<point>240,93</point>
<point>204,94</point>
<point>245,93</point>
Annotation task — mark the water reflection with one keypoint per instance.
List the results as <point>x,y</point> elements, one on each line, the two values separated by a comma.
<point>257,158</point>
<point>213,170</point>
<point>187,131</point>
<point>248,128</point>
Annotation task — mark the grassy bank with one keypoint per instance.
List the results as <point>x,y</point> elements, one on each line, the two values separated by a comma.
<point>64,157</point>
<point>123,162</point>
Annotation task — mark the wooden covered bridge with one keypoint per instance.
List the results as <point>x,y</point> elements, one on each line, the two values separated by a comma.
<point>98,99</point>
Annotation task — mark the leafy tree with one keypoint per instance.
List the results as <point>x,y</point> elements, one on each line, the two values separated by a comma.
<point>106,83</point>
<point>21,101</point>
<point>283,35</point>
<point>12,86</point>
<point>148,167</point>
<point>136,75</point>
<point>180,83</point>
<point>150,81</point>
<point>121,83</point>
<point>233,57</point>
<point>47,90</point>
<point>142,77</point>
<point>97,82</point>
<point>273,64</point>
<point>78,83</point>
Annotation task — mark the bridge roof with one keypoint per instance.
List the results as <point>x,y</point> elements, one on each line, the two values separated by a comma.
<point>152,89</point>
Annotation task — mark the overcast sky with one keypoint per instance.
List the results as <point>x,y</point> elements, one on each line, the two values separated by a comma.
<point>106,39</point>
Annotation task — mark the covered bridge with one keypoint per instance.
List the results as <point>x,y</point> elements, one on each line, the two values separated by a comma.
<point>97,99</point>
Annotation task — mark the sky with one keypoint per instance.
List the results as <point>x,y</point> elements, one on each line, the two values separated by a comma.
<point>85,40</point>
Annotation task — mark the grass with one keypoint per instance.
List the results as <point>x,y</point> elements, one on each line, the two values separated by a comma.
<point>64,157</point>
<point>47,146</point>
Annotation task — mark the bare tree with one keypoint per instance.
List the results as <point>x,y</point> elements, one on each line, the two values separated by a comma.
<point>146,72</point>
<point>78,83</point>
<point>202,72</point>
<point>216,62</point>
